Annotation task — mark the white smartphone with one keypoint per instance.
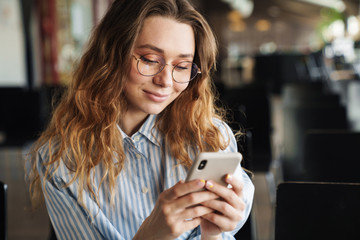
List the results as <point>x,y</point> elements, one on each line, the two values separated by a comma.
<point>214,166</point>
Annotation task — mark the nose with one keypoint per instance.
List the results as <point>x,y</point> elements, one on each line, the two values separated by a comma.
<point>164,78</point>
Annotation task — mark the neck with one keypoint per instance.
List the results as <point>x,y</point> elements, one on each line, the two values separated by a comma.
<point>131,123</point>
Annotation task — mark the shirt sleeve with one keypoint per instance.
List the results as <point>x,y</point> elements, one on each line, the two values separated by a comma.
<point>248,189</point>
<point>69,219</point>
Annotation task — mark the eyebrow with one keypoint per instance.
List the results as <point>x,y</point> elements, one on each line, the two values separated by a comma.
<point>159,50</point>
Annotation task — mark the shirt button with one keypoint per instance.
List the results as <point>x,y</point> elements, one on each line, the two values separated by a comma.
<point>138,156</point>
<point>137,138</point>
<point>144,190</point>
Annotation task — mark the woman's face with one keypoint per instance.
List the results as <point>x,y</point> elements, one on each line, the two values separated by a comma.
<point>170,40</point>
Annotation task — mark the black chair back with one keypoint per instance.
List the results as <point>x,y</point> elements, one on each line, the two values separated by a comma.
<point>332,156</point>
<point>306,108</point>
<point>3,211</point>
<point>314,211</point>
<point>250,107</point>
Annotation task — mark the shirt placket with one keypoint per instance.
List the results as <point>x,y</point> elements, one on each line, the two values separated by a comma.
<point>144,181</point>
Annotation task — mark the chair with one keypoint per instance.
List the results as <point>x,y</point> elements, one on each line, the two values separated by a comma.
<point>294,93</point>
<point>297,122</point>
<point>3,211</point>
<point>18,104</point>
<point>275,70</point>
<point>332,156</point>
<point>305,109</point>
<point>314,211</point>
<point>250,106</point>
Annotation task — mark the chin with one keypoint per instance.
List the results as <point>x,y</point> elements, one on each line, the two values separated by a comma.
<point>154,110</point>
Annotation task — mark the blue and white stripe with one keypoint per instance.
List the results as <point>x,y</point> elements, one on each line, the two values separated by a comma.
<point>149,169</point>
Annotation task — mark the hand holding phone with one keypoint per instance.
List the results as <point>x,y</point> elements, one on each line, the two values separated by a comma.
<point>214,166</point>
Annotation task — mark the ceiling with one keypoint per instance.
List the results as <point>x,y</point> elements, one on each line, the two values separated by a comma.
<point>294,21</point>
<point>294,8</point>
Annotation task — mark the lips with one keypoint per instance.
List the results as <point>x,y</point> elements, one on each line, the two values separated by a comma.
<point>156,97</point>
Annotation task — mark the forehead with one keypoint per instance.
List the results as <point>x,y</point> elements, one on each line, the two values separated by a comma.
<point>166,35</point>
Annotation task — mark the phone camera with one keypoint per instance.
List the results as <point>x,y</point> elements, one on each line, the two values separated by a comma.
<point>202,164</point>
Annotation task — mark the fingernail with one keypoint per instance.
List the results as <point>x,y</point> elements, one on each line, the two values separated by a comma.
<point>209,184</point>
<point>228,177</point>
<point>200,182</point>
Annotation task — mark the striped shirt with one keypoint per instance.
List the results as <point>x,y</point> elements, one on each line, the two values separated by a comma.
<point>149,170</point>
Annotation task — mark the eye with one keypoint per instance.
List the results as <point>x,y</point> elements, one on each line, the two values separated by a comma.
<point>150,60</point>
<point>183,66</point>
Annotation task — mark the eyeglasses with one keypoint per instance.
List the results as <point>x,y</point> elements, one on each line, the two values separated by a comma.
<point>152,64</point>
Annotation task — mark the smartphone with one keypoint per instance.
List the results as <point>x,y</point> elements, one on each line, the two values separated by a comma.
<point>214,166</point>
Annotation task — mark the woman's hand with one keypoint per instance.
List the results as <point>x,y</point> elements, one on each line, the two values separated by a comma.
<point>176,211</point>
<point>228,209</point>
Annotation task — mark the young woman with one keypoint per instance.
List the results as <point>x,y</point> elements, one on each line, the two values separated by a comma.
<point>140,107</point>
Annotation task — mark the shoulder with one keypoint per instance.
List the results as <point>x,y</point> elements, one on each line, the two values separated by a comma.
<point>47,162</point>
<point>227,134</point>
<point>47,150</point>
<point>222,125</point>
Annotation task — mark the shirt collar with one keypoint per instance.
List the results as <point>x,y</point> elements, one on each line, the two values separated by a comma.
<point>147,130</point>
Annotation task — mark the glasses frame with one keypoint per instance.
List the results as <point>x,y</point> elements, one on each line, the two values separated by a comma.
<point>162,66</point>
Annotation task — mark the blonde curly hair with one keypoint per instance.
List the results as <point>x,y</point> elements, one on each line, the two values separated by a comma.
<point>83,131</point>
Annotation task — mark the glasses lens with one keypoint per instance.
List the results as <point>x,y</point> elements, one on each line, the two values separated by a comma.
<point>185,71</point>
<point>150,64</point>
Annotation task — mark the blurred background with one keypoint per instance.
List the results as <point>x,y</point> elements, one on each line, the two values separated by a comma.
<point>289,71</point>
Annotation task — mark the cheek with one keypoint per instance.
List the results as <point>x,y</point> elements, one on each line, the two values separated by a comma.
<point>136,81</point>
<point>134,76</point>
<point>179,88</point>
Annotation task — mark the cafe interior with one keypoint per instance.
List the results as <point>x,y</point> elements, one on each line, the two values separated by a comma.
<point>287,70</point>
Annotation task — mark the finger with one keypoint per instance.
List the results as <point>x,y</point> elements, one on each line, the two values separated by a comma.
<point>225,193</point>
<point>195,212</point>
<point>222,222</point>
<point>225,209</point>
<point>236,183</point>
<point>195,198</point>
<point>183,188</point>
<point>191,223</point>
